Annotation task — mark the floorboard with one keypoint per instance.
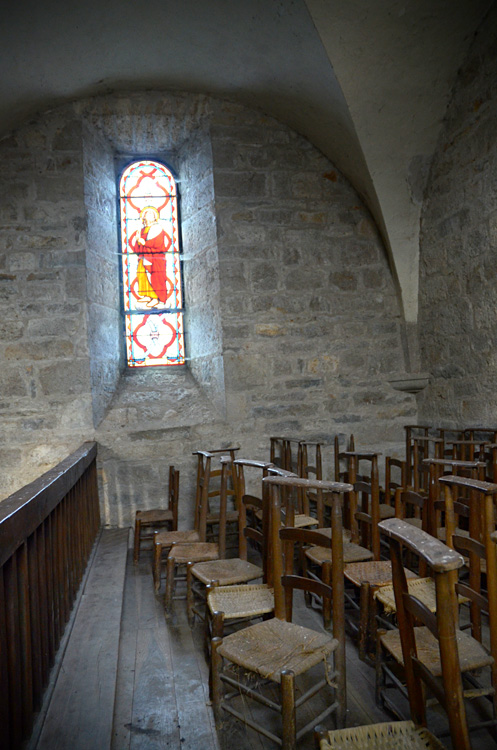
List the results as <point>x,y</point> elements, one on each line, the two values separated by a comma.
<point>79,715</point>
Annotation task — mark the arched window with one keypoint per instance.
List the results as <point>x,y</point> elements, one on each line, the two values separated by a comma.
<point>151,267</point>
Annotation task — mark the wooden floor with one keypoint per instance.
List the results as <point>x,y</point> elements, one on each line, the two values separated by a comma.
<point>161,696</point>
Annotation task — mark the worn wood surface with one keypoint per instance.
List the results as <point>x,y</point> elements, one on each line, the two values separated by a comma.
<point>80,712</point>
<point>161,694</point>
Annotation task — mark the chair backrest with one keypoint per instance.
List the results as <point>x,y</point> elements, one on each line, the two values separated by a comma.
<point>411,431</point>
<point>173,494</point>
<point>339,461</point>
<point>364,501</point>
<point>436,468</point>
<point>424,447</point>
<point>202,493</point>
<point>476,547</point>
<point>444,563</point>
<point>311,469</point>
<point>395,477</point>
<point>258,534</point>
<point>281,452</point>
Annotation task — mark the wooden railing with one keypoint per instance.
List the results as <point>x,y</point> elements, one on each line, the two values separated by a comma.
<point>47,530</point>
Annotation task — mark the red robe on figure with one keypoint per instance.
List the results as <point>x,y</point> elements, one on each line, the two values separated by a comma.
<point>151,274</point>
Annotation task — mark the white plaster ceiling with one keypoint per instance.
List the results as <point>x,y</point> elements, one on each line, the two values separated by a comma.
<point>367,81</point>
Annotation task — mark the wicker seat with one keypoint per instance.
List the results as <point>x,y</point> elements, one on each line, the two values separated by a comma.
<point>241,602</point>
<point>445,563</point>
<point>147,522</point>
<point>375,573</point>
<point>399,735</point>
<point>351,553</point>
<point>273,646</point>
<point>276,650</point>
<point>472,655</point>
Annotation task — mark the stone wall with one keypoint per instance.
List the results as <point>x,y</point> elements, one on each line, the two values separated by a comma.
<point>46,401</point>
<point>294,325</point>
<point>458,270</point>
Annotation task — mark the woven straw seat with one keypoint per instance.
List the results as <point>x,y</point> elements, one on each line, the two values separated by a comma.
<point>399,735</point>
<point>168,538</point>
<point>302,521</point>
<point>226,572</point>
<point>250,600</point>
<point>351,553</point>
<point>472,655</point>
<point>375,572</point>
<point>442,533</point>
<point>155,516</point>
<point>422,588</point>
<point>272,646</point>
<point>197,552</point>
<point>386,511</point>
<point>327,532</point>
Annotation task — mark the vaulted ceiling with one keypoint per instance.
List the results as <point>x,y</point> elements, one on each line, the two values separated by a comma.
<point>366,81</point>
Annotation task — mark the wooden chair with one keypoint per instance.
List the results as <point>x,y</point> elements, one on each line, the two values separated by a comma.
<point>222,571</point>
<point>165,540</point>
<point>278,652</point>
<point>412,430</point>
<point>237,605</point>
<point>214,492</point>
<point>395,477</point>
<point>312,502</point>
<point>281,453</point>
<point>340,461</point>
<point>365,577</point>
<point>422,449</point>
<point>437,467</point>
<point>412,735</point>
<point>292,508</point>
<point>473,657</point>
<point>149,521</point>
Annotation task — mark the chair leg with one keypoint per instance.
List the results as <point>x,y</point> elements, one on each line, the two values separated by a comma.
<point>171,569</point>
<point>288,713</point>
<point>136,547</point>
<point>215,679</point>
<point>363,621</point>
<point>327,602</point>
<point>156,564</point>
<point>190,603</point>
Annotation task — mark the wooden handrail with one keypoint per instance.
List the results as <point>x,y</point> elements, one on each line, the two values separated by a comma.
<point>47,531</point>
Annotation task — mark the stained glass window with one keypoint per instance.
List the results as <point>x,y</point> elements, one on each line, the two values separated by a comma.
<point>151,268</point>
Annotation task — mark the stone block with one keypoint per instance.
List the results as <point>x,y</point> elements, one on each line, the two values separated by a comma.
<point>65,378</point>
<point>346,281</point>
<point>239,184</point>
<point>39,350</point>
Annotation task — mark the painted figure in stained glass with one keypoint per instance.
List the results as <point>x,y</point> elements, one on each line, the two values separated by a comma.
<point>151,245</point>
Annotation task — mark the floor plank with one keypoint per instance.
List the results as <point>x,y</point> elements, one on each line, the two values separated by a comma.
<point>79,715</point>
